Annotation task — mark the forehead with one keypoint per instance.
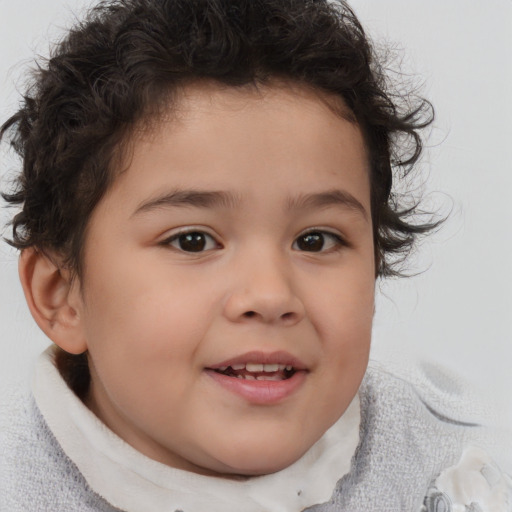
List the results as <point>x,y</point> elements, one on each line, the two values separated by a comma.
<point>246,138</point>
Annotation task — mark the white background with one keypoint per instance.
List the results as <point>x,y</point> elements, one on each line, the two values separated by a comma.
<point>458,312</point>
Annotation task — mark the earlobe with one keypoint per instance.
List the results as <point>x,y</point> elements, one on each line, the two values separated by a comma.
<point>51,296</point>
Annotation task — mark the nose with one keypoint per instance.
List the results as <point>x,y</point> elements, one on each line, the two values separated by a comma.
<point>264,290</point>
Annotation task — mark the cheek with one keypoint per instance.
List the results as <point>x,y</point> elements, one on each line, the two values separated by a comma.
<point>144,326</point>
<point>343,316</point>
<point>344,326</point>
<point>143,339</point>
<point>344,307</point>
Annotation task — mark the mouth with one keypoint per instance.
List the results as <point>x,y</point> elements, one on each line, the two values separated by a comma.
<point>256,365</point>
<point>260,378</point>
<point>257,371</point>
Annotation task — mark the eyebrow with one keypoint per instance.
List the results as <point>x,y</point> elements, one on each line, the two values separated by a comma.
<point>328,198</point>
<point>211,199</point>
<point>195,198</point>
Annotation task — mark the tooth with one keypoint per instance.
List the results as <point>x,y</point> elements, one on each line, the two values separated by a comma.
<point>270,367</point>
<point>281,367</point>
<point>238,366</point>
<point>222,368</point>
<point>268,377</point>
<point>239,377</point>
<point>289,368</point>
<point>253,367</point>
<point>249,377</point>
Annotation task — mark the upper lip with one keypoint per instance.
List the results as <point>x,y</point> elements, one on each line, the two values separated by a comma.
<point>282,358</point>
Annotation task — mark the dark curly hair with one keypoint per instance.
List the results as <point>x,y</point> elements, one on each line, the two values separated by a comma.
<point>121,66</point>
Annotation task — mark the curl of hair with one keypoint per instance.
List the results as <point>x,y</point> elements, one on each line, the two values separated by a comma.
<point>121,66</point>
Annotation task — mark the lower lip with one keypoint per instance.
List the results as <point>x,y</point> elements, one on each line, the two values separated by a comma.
<point>260,392</point>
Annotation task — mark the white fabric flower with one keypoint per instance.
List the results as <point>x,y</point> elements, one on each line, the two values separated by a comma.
<point>474,484</point>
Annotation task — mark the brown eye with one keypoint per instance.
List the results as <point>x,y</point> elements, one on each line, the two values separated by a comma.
<point>193,241</point>
<point>317,241</point>
<point>310,242</point>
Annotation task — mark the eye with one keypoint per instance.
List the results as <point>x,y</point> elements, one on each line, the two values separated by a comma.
<point>317,241</point>
<point>192,241</point>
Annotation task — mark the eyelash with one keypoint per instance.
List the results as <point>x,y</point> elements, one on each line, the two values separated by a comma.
<point>202,239</point>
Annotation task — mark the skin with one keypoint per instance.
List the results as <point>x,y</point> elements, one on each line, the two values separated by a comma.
<point>154,316</point>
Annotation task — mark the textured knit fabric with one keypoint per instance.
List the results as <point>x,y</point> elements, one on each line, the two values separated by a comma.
<point>405,443</point>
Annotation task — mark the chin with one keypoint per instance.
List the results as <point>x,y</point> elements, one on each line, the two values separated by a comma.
<point>259,464</point>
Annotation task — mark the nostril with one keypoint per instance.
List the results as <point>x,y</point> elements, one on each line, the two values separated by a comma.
<point>287,316</point>
<point>250,314</point>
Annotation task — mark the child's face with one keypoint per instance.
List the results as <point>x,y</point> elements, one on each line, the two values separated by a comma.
<point>240,234</point>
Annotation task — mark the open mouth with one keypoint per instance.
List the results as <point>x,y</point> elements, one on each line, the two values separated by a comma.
<point>257,371</point>
<point>260,378</point>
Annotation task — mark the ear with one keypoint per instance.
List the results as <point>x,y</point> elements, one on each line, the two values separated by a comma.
<point>53,299</point>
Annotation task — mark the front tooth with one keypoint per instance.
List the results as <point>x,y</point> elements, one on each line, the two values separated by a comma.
<point>270,367</point>
<point>289,368</point>
<point>254,367</point>
<point>222,368</point>
<point>238,366</point>
<point>249,377</point>
<point>281,367</point>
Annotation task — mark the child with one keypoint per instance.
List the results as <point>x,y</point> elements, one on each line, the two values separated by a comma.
<point>205,206</point>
